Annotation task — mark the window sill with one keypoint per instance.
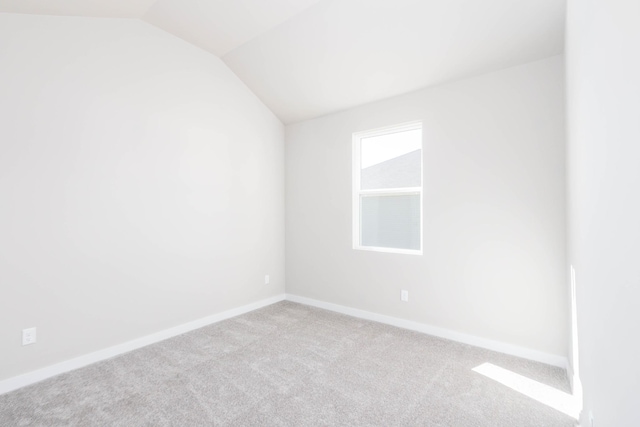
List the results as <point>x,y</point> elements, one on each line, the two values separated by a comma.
<point>388,250</point>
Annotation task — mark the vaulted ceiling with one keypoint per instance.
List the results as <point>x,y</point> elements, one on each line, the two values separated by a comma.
<point>307,58</point>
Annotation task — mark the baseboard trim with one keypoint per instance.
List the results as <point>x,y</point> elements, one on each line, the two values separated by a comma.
<point>33,377</point>
<point>513,350</point>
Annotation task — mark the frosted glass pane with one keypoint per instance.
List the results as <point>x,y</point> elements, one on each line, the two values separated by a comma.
<point>391,161</point>
<point>390,221</point>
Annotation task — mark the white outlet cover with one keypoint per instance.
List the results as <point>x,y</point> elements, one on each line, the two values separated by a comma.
<point>404,296</point>
<point>28,336</point>
<point>266,279</point>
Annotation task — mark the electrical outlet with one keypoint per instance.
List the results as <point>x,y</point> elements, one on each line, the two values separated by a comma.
<point>28,336</point>
<point>404,296</point>
<point>591,419</point>
<point>266,279</point>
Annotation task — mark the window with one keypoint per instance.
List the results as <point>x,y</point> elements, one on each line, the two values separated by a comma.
<point>387,189</point>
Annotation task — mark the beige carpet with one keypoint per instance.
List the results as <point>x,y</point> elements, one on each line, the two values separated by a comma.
<point>290,365</point>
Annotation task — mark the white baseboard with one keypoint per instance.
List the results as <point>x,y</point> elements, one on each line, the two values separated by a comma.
<point>571,376</point>
<point>29,378</point>
<point>33,377</point>
<point>514,350</point>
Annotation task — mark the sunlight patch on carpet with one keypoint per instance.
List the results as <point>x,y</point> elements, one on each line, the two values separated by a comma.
<point>554,398</point>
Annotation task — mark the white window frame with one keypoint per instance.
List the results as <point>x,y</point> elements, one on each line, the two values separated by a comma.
<point>357,192</point>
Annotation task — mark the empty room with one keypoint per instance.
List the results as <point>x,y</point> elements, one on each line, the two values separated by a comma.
<point>320,213</point>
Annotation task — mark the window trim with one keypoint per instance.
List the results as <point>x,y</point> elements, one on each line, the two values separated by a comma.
<point>356,192</point>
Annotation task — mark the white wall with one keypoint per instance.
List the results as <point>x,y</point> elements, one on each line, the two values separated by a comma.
<point>603,74</point>
<point>494,210</point>
<point>141,187</point>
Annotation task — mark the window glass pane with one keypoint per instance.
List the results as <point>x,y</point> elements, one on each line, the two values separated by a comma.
<point>390,221</point>
<point>391,161</point>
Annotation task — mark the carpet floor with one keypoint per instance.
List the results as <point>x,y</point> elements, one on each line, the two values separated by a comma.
<point>290,365</point>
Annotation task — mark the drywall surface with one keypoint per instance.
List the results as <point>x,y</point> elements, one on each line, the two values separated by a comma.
<point>141,187</point>
<point>494,210</point>
<point>603,99</point>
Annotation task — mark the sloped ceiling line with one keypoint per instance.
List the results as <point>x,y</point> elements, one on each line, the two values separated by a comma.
<point>308,58</point>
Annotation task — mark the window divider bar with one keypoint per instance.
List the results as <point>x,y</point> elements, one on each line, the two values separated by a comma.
<point>390,191</point>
